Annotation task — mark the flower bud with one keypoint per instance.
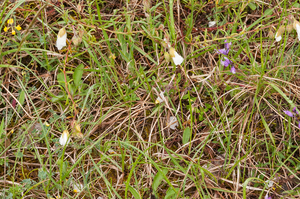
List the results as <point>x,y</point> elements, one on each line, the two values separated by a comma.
<point>172,52</point>
<point>76,40</point>
<point>279,32</point>
<point>147,4</point>
<point>167,57</point>
<point>61,39</point>
<point>296,26</point>
<point>64,138</point>
<point>289,28</point>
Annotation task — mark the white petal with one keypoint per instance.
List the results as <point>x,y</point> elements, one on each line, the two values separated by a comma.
<point>77,187</point>
<point>270,183</point>
<point>61,41</point>
<point>211,23</point>
<point>173,122</point>
<point>165,40</point>
<point>278,38</point>
<point>177,59</point>
<point>298,30</point>
<point>161,98</point>
<point>64,138</point>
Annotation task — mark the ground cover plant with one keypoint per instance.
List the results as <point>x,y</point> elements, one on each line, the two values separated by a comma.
<point>149,99</point>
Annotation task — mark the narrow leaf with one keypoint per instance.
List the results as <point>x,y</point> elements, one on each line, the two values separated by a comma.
<point>78,74</point>
<point>158,179</point>
<point>186,135</point>
<point>134,192</point>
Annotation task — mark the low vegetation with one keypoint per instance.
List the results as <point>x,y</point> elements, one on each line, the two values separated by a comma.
<point>149,99</point>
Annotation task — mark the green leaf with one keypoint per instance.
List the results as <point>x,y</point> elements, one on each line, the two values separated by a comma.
<point>186,135</point>
<point>145,54</point>
<point>19,154</point>
<point>158,179</point>
<point>134,192</point>
<point>61,79</point>
<point>77,75</point>
<point>296,5</point>
<point>171,194</point>
<point>268,12</point>
<point>42,174</point>
<point>64,169</point>
<point>2,127</point>
<point>21,100</point>
<point>58,98</point>
<point>283,95</point>
<point>252,6</point>
<point>298,167</point>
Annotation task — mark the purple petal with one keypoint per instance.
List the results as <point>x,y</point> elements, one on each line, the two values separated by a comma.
<point>267,197</point>
<point>226,62</point>
<point>222,51</point>
<point>289,113</point>
<point>299,125</point>
<point>233,70</point>
<point>227,45</point>
<point>295,111</point>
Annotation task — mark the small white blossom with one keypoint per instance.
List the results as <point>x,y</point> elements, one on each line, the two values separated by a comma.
<point>177,59</point>
<point>173,122</point>
<point>278,37</point>
<point>61,39</point>
<point>297,27</point>
<point>280,31</point>
<point>77,187</point>
<point>211,23</point>
<point>270,183</point>
<point>64,138</point>
<point>161,98</point>
<point>167,43</point>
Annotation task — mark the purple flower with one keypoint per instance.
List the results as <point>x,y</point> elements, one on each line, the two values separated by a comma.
<point>298,124</point>
<point>289,113</point>
<point>295,111</point>
<point>233,70</point>
<point>225,50</point>
<point>227,45</point>
<point>226,62</point>
<point>267,197</point>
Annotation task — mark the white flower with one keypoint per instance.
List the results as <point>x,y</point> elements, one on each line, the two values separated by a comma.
<point>270,183</point>
<point>77,187</point>
<point>279,32</point>
<point>173,122</point>
<point>177,59</point>
<point>166,43</point>
<point>211,23</point>
<point>61,39</point>
<point>64,138</point>
<point>278,37</point>
<point>161,98</point>
<point>297,28</point>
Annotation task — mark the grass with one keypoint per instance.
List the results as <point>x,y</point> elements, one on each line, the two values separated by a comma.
<point>232,140</point>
